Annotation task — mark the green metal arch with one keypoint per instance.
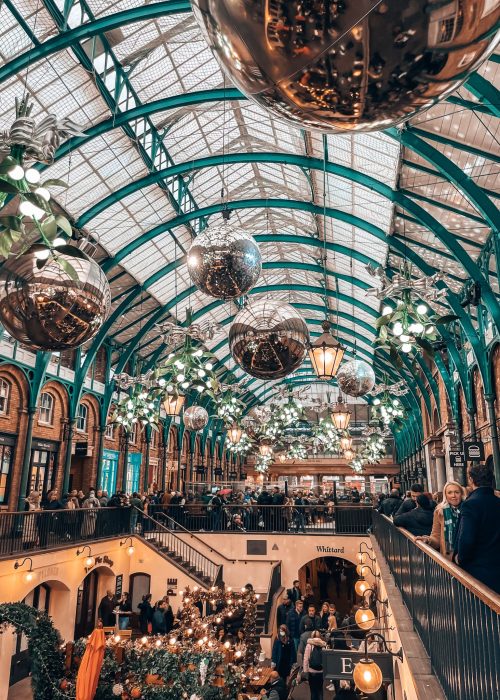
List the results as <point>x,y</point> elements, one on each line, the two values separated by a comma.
<point>371,183</point>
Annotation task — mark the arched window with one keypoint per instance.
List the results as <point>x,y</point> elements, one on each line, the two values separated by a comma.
<point>81,418</point>
<point>110,431</point>
<point>4,396</point>
<point>46,409</point>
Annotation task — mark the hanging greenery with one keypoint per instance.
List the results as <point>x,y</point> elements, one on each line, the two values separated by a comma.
<point>242,447</point>
<point>138,407</point>
<point>326,436</point>
<point>188,369</point>
<point>47,667</point>
<point>388,410</point>
<point>296,451</point>
<point>229,407</point>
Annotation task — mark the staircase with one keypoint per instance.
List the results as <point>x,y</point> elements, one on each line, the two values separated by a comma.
<point>185,557</point>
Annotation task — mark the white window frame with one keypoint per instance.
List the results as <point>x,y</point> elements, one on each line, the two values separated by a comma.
<point>110,431</point>
<point>4,396</point>
<point>49,409</point>
<point>82,418</point>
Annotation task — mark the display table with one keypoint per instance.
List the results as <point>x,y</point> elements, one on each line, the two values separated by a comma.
<point>258,678</point>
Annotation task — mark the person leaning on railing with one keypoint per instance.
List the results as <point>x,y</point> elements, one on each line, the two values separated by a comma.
<point>418,521</point>
<point>477,546</point>
<point>445,520</point>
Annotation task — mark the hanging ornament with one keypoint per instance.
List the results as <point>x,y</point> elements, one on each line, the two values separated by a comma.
<point>268,339</point>
<point>356,377</point>
<point>326,353</point>
<point>347,66</point>
<point>53,300</point>
<point>195,418</point>
<point>224,262</point>
<point>173,334</point>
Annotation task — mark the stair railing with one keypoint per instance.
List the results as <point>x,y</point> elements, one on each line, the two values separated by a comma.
<point>199,566</point>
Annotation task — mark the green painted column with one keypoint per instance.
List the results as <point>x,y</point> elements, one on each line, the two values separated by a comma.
<point>67,458</point>
<point>492,418</point>
<point>25,469</point>
<point>147,439</point>
<point>100,450</point>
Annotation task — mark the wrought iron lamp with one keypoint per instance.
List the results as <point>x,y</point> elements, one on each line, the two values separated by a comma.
<point>28,575</point>
<point>265,449</point>
<point>235,433</point>
<point>131,548</point>
<point>326,353</point>
<point>89,561</point>
<point>367,674</point>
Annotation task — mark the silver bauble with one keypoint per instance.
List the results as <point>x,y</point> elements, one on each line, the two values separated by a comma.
<point>41,305</point>
<point>268,339</point>
<point>195,418</point>
<point>224,262</point>
<point>349,65</point>
<point>355,378</point>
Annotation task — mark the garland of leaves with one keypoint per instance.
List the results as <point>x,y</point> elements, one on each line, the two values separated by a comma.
<point>47,667</point>
<point>327,436</point>
<point>242,447</point>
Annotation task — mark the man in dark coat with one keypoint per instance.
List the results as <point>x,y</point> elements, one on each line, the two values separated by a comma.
<point>294,593</point>
<point>477,546</point>
<point>105,610</point>
<point>418,521</point>
<point>293,622</point>
<point>283,610</point>
<point>411,502</point>
<point>391,504</point>
<point>312,617</point>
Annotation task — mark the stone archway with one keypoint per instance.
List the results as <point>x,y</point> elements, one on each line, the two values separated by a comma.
<point>332,578</point>
<point>47,668</point>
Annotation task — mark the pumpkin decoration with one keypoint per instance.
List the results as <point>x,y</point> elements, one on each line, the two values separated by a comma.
<point>135,692</point>
<point>154,679</point>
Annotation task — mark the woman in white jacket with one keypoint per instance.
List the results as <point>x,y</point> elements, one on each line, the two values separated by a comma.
<point>313,665</point>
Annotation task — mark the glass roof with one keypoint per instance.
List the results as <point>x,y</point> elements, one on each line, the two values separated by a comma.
<point>140,66</point>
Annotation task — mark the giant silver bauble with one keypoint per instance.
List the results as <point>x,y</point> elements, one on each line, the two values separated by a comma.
<point>268,339</point>
<point>355,378</point>
<point>224,262</point>
<point>348,65</point>
<point>195,418</point>
<point>41,305</point>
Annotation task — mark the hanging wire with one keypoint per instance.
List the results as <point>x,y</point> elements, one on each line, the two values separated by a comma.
<point>33,45</point>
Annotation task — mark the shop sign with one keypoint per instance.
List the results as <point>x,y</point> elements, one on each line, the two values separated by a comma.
<point>7,439</point>
<point>81,449</point>
<point>339,665</point>
<point>200,470</point>
<point>243,475</point>
<point>44,445</point>
<point>119,586</point>
<point>233,476</point>
<point>171,586</point>
<point>329,550</point>
<point>218,471</point>
<point>474,451</point>
<point>457,459</point>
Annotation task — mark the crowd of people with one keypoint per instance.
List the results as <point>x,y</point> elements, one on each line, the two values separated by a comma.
<point>463,524</point>
<point>305,628</point>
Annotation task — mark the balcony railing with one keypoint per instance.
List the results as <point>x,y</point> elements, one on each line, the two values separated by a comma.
<point>198,517</point>
<point>53,529</point>
<point>456,617</point>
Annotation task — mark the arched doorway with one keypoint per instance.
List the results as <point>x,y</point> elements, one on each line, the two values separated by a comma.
<point>332,579</point>
<point>91,589</point>
<point>20,666</point>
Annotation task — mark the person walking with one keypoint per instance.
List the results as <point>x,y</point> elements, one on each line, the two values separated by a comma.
<point>283,654</point>
<point>283,610</point>
<point>445,520</point>
<point>477,547</point>
<point>312,617</point>
<point>418,520</point>
<point>106,608</point>
<point>313,665</point>
<point>293,622</point>
<point>158,619</point>
<point>295,593</point>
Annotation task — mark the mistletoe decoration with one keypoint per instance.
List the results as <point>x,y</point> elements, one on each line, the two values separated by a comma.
<point>35,218</point>
<point>326,437</point>
<point>229,407</point>
<point>140,406</point>
<point>242,447</point>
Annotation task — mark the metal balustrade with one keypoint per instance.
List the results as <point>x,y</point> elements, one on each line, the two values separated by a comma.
<point>253,518</point>
<point>456,617</point>
<point>34,531</point>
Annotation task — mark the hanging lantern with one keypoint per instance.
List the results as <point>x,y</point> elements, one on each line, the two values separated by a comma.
<point>282,458</point>
<point>173,404</point>
<point>265,449</point>
<point>367,676</point>
<point>364,618</point>
<point>345,442</point>
<point>235,433</point>
<point>341,415</point>
<point>326,353</point>
<point>349,454</point>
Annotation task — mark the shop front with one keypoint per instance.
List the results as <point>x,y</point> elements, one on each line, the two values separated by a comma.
<point>109,471</point>
<point>43,466</point>
<point>7,446</point>
<point>132,480</point>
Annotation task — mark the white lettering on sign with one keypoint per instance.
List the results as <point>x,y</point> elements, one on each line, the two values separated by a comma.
<point>49,571</point>
<point>346,665</point>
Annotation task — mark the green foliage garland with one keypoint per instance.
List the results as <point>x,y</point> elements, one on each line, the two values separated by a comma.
<point>47,666</point>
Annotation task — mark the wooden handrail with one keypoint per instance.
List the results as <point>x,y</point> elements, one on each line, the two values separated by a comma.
<point>484,593</point>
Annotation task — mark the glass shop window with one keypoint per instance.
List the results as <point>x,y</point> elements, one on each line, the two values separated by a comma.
<point>46,409</point>
<point>4,397</point>
<point>81,419</point>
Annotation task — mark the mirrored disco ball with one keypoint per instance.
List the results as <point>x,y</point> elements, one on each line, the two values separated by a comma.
<point>356,378</point>
<point>348,65</point>
<point>268,339</point>
<point>224,262</point>
<point>41,305</point>
<point>195,418</point>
